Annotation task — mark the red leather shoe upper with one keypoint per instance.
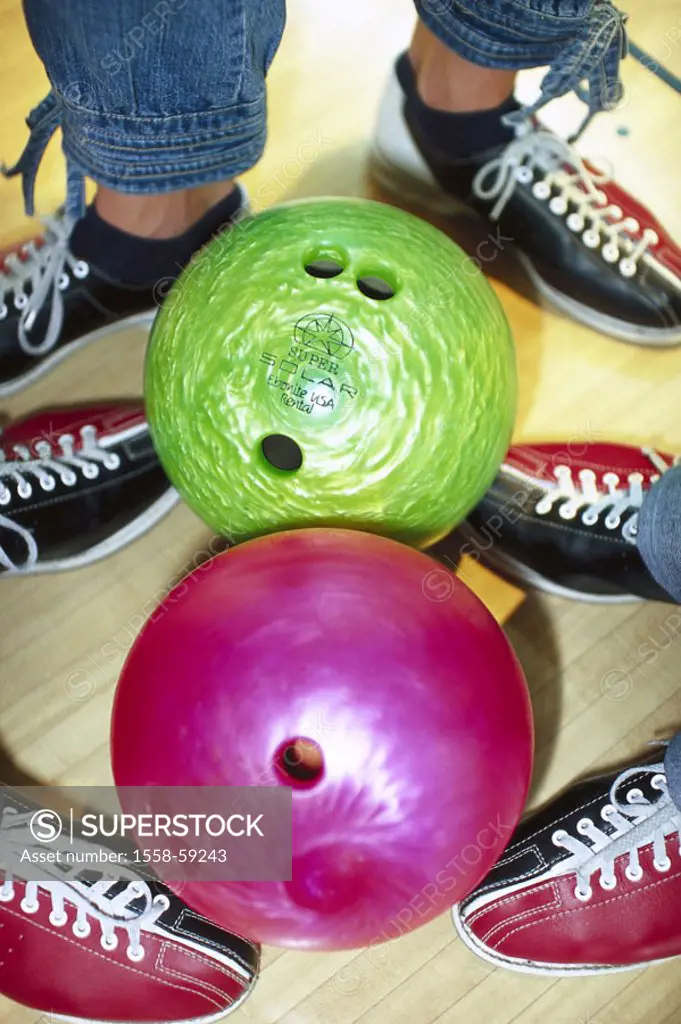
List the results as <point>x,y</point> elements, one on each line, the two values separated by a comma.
<point>634,923</point>
<point>108,420</point>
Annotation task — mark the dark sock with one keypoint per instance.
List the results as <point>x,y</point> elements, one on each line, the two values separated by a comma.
<point>143,261</point>
<point>455,136</point>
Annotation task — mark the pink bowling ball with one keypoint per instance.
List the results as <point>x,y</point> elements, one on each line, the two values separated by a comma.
<point>370,680</point>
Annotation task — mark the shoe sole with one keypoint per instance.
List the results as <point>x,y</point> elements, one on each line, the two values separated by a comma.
<point>428,195</point>
<point>161,507</point>
<point>531,967</point>
<point>510,567</point>
<point>48,364</point>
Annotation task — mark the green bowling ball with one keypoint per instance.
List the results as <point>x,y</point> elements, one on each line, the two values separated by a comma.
<point>331,362</point>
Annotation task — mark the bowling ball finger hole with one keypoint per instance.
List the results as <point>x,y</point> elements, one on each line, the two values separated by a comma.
<point>324,267</point>
<point>282,452</point>
<point>375,287</point>
<point>299,763</point>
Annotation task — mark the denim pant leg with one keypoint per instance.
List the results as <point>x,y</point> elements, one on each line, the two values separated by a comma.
<point>659,532</point>
<point>152,96</point>
<point>583,41</point>
<point>672,767</point>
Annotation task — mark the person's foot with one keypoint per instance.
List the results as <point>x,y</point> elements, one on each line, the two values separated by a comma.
<point>592,249</point>
<point>77,485</point>
<point>82,946</point>
<point>77,283</point>
<point>567,523</point>
<point>590,884</point>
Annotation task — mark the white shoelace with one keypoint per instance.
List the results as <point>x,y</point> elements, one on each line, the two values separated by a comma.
<point>540,157</point>
<point>42,468</point>
<point>98,902</point>
<point>637,822</point>
<point>584,496</point>
<point>44,268</point>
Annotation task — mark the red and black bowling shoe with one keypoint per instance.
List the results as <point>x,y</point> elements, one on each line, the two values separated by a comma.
<point>588,885</point>
<point>563,518</point>
<point>76,485</point>
<point>592,249</point>
<point>119,948</point>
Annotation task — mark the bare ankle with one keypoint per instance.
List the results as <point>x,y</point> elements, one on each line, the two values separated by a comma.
<point>159,216</point>
<point>448,82</point>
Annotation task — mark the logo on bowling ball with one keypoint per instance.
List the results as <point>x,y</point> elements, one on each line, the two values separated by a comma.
<point>325,333</point>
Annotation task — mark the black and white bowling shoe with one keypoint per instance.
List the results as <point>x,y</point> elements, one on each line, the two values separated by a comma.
<point>566,522</point>
<point>77,485</point>
<point>592,249</point>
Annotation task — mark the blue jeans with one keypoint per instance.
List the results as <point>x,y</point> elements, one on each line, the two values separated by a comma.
<point>659,532</point>
<point>672,767</point>
<point>659,541</point>
<point>154,96</point>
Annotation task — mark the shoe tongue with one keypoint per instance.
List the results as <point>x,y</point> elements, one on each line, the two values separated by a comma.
<point>114,898</point>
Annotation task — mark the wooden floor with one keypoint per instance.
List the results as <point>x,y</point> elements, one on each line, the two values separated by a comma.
<point>595,698</point>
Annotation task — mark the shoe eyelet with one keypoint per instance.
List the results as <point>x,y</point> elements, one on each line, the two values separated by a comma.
<point>81,270</point>
<point>69,478</point>
<point>612,522</point>
<point>112,461</point>
<point>590,518</point>
<point>136,955</point>
<point>20,301</point>
<point>633,876</point>
<point>583,826</point>
<point>5,497</point>
<point>558,205</point>
<point>610,252</point>
<point>585,896</point>
<point>24,490</point>
<point>558,836</point>
<point>47,483</point>
<point>627,268</point>
<point>63,282</point>
<point>575,222</point>
<point>6,892</point>
<point>90,471</point>
<point>662,866</point>
<point>81,931</point>
<point>591,238</point>
<point>108,942</point>
<point>523,175</point>
<point>608,885</point>
<point>541,190</point>
<point>29,907</point>
<point>59,920</point>
<point>3,311</point>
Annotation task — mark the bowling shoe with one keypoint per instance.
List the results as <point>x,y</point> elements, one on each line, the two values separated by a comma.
<point>592,249</point>
<point>84,946</point>
<point>589,884</point>
<point>76,485</point>
<point>53,302</point>
<point>566,523</point>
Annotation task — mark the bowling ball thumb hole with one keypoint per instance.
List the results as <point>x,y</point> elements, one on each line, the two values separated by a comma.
<point>299,763</point>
